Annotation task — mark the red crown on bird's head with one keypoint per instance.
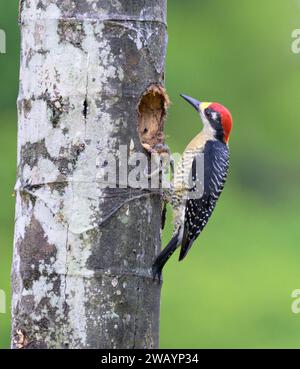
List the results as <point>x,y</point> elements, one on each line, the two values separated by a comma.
<point>226,118</point>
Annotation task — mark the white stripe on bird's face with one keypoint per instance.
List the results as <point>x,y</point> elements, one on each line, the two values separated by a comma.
<point>207,128</point>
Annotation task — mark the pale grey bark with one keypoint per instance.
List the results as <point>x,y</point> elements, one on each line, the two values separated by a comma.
<point>82,255</point>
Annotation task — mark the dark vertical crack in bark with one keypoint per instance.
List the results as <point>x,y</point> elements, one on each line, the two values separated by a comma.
<point>85,102</point>
<point>85,108</point>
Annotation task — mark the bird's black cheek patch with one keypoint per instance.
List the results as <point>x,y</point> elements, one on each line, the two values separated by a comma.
<point>152,109</point>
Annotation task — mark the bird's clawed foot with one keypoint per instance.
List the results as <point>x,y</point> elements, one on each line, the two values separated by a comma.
<point>160,159</point>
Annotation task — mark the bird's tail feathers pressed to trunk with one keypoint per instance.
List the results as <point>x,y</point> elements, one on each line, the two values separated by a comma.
<point>164,256</point>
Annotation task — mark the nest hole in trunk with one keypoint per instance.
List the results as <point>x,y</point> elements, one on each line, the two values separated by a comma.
<point>152,109</point>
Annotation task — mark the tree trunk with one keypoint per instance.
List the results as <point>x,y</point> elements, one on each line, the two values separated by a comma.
<point>91,80</point>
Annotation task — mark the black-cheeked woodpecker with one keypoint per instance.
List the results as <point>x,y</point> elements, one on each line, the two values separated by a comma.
<point>210,149</point>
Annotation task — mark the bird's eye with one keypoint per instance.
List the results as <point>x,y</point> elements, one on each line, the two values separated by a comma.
<point>211,115</point>
<point>208,113</point>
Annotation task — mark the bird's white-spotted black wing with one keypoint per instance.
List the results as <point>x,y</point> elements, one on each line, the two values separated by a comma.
<point>198,210</point>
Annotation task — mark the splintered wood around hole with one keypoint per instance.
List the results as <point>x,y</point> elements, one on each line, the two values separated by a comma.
<point>152,111</point>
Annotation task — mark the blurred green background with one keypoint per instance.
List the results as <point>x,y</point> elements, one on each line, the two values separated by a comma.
<point>234,289</point>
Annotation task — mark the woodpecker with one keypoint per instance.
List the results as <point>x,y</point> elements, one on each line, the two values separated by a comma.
<point>209,149</point>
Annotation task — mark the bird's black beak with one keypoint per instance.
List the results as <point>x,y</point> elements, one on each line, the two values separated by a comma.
<point>195,103</point>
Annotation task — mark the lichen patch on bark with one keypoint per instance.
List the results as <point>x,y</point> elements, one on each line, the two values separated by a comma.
<point>20,340</point>
<point>71,31</point>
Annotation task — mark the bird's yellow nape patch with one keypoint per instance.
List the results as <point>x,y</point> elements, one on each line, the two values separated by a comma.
<point>204,105</point>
